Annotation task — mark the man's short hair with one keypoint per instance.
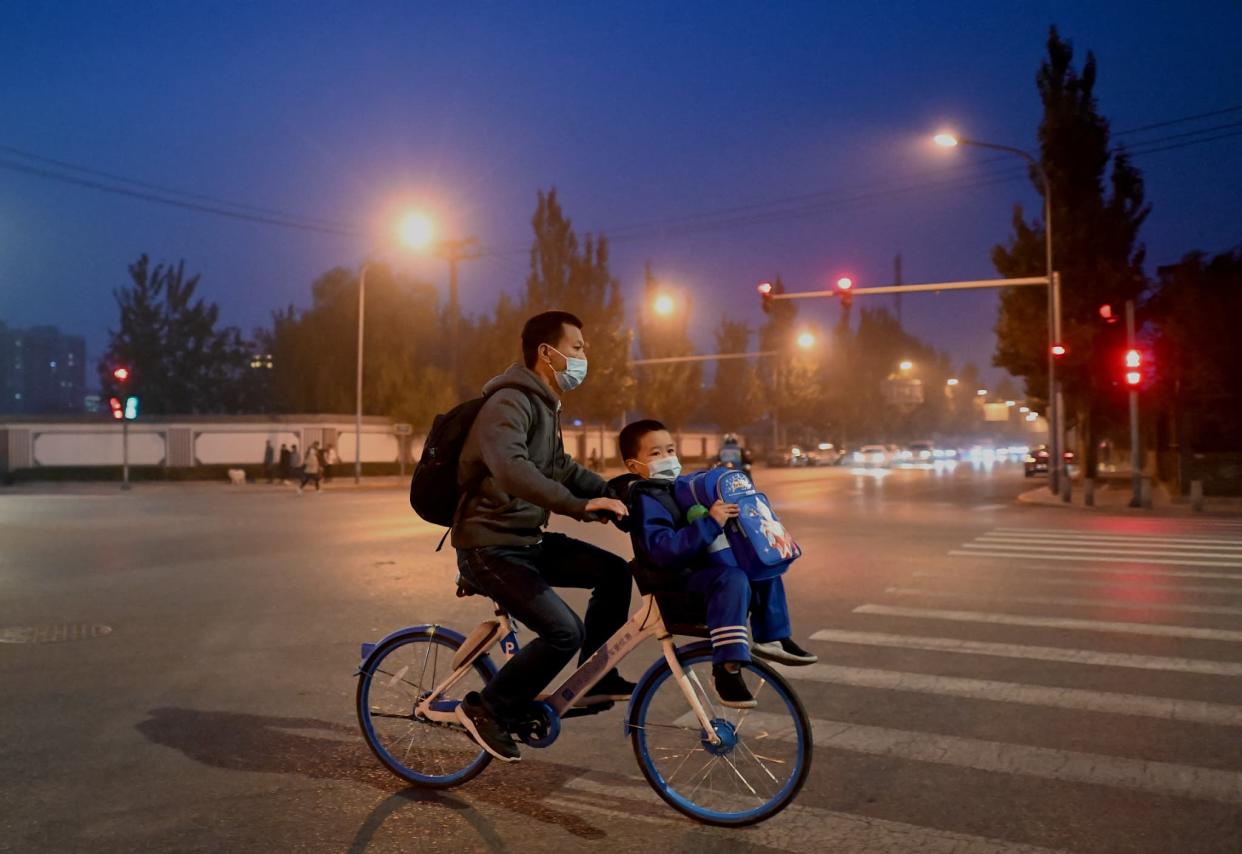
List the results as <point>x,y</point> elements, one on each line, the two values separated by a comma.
<point>545,328</point>
<point>632,436</point>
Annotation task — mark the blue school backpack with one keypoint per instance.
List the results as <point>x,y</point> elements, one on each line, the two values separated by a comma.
<point>760,543</point>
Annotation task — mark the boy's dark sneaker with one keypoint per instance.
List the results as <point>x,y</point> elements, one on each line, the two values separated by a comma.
<point>485,729</point>
<point>784,651</point>
<point>731,688</point>
<point>612,688</point>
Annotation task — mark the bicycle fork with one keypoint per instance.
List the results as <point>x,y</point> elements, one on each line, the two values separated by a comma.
<point>687,684</point>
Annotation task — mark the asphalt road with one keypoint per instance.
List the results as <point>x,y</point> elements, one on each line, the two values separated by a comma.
<point>994,677</point>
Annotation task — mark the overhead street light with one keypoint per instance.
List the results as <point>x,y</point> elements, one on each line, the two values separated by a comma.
<point>664,305</point>
<point>983,392</point>
<point>906,364</point>
<point>806,340</point>
<point>415,231</point>
<point>951,381</point>
<point>945,140</point>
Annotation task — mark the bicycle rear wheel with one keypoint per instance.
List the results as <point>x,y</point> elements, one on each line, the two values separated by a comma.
<point>760,764</point>
<point>400,673</point>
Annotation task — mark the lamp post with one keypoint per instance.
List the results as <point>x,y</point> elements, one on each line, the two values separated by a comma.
<point>1056,417</point>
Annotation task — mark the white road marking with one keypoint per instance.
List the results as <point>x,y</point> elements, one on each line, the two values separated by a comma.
<point>1000,757</point>
<point>1036,653</point>
<point>984,508</point>
<point>1086,532</point>
<point>1126,582</point>
<point>1186,711</point>
<point>1121,542</point>
<point>797,827</point>
<point>1014,553</point>
<point>1072,601</point>
<point>1155,629</point>
<point>1132,553</point>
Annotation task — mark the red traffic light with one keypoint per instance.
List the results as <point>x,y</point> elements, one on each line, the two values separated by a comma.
<point>845,283</point>
<point>765,288</point>
<point>118,411</point>
<point>765,293</point>
<point>1059,349</point>
<point>121,374</point>
<point>1106,312</point>
<point>1133,358</point>
<point>1133,362</point>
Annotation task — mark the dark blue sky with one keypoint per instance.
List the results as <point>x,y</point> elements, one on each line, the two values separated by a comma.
<point>636,112</point>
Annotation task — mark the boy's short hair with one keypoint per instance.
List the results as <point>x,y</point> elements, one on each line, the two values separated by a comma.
<point>632,436</point>
<point>544,328</point>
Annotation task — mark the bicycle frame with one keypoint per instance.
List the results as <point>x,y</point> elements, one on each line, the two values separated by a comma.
<point>645,623</point>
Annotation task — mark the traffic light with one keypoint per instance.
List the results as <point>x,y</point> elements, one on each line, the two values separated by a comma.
<point>1107,313</point>
<point>118,411</point>
<point>1134,365</point>
<point>1059,350</point>
<point>765,294</point>
<point>131,408</point>
<point>844,291</point>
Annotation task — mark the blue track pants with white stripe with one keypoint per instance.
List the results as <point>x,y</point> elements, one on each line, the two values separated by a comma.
<point>730,596</point>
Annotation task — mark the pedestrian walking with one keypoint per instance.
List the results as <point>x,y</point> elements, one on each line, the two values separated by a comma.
<point>268,456</point>
<point>330,459</point>
<point>311,469</point>
<point>285,462</point>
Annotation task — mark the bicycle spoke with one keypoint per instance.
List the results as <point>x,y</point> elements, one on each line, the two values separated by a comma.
<point>729,762</point>
<point>758,761</point>
<point>741,719</point>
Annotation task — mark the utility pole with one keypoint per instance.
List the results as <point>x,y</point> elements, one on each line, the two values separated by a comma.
<point>897,281</point>
<point>455,251</point>
<point>1136,452</point>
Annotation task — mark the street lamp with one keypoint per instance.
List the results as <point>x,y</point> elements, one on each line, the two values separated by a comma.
<point>983,392</point>
<point>1056,419</point>
<point>806,340</point>
<point>415,230</point>
<point>951,381</point>
<point>905,364</point>
<point>664,305</point>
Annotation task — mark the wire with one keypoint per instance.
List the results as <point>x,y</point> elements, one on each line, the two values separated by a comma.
<point>1180,121</point>
<point>177,203</point>
<point>29,155</point>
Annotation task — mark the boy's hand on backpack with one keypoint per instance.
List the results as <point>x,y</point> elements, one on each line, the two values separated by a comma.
<point>722,512</point>
<point>601,509</point>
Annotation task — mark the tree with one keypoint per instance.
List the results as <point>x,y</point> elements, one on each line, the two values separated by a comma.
<point>179,362</point>
<point>314,351</point>
<point>1195,310</point>
<point>572,276</point>
<point>1096,243</point>
<point>735,398</point>
<point>669,393</point>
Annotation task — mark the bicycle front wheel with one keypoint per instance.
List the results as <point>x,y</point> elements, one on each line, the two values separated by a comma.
<point>760,762</point>
<point>392,682</point>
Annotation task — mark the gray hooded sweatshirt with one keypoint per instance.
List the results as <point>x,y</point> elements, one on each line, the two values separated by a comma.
<point>513,468</point>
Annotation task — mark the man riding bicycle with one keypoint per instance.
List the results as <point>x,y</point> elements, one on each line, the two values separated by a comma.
<point>513,474</point>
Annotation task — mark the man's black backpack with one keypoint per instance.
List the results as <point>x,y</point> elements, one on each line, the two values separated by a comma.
<point>434,492</point>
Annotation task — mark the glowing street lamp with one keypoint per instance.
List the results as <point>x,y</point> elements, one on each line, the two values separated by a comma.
<point>806,340</point>
<point>415,231</point>
<point>983,392</point>
<point>951,381</point>
<point>906,364</point>
<point>664,305</point>
<point>1011,403</point>
<point>944,139</point>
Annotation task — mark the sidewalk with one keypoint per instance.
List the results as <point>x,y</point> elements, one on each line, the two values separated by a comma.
<point>1113,496</point>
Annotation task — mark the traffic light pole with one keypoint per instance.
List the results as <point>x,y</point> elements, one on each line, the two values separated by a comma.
<point>124,453</point>
<point>1136,452</point>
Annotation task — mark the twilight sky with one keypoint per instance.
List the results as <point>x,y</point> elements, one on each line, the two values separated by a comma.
<point>641,114</point>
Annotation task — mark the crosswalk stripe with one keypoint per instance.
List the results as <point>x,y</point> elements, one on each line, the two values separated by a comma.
<point>831,830</point>
<point>1074,549</point>
<point>1071,766</point>
<point>1156,629</point>
<point>1062,655</point>
<point>1087,531</point>
<point>1074,601</point>
<point>1126,582</point>
<point>1116,544</point>
<point>1188,711</point>
<point>1015,553</point>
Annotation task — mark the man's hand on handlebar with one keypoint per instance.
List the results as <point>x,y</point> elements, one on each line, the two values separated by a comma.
<point>604,509</point>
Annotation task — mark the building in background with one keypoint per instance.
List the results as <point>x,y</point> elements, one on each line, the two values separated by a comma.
<point>41,371</point>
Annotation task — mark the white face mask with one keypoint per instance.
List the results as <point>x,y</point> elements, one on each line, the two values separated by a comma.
<point>665,468</point>
<point>574,374</point>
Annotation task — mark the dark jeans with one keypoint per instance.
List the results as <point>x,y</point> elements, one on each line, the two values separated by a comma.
<point>521,581</point>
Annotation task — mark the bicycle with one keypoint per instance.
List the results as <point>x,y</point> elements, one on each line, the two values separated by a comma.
<point>741,766</point>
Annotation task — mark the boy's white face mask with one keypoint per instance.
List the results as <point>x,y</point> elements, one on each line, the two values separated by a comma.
<point>665,468</point>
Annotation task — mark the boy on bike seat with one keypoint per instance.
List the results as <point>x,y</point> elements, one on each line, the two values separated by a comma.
<point>665,539</point>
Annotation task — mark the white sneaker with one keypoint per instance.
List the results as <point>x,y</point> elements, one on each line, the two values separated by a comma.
<point>784,651</point>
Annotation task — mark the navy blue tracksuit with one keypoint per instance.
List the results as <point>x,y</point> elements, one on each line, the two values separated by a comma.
<point>665,541</point>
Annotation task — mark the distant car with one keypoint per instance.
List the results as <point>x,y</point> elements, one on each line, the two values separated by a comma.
<point>791,456</point>
<point>871,455</point>
<point>827,454</point>
<point>919,452</point>
<point>1036,461</point>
